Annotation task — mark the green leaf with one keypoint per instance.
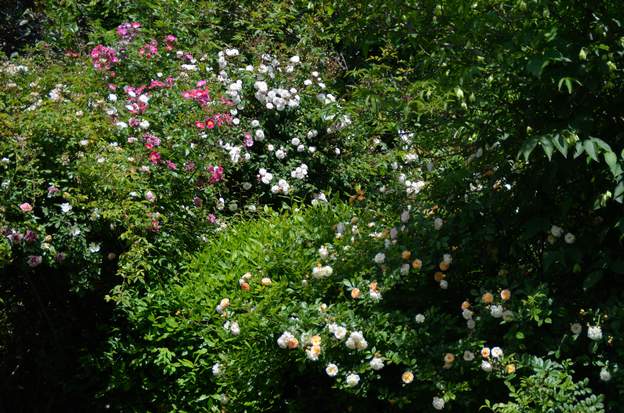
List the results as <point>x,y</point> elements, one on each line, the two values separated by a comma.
<point>618,193</point>
<point>614,166</point>
<point>560,143</point>
<point>547,145</point>
<point>527,148</point>
<point>590,149</point>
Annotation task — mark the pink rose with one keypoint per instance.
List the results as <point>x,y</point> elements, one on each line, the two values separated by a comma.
<point>26,207</point>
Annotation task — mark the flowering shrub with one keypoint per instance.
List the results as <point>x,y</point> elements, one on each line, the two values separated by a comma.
<point>478,263</point>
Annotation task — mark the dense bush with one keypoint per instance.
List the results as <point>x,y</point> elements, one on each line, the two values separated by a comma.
<point>473,152</point>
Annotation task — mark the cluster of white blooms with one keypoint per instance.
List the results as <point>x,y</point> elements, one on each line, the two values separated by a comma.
<point>318,199</point>
<point>300,172</point>
<point>557,232</point>
<point>278,98</point>
<point>233,91</point>
<point>232,327</point>
<point>413,187</point>
<point>356,341</point>
<point>56,94</point>
<point>264,176</point>
<point>340,124</point>
<point>13,69</point>
<point>235,152</point>
<point>322,271</point>
<point>594,333</point>
<point>222,56</point>
<point>326,99</point>
<point>282,187</point>
<point>338,331</point>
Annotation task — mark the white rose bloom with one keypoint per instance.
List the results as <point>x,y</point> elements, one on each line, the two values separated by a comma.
<point>556,231</point>
<point>66,207</point>
<point>353,379</point>
<point>438,403</point>
<point>379,258</point>
<point>283,340</point>
<point>496,311</point>
<point>437,223</point>
<point>444,284</point>
<point>569,238</point>
<point>405,269</point>
<point>420,318</point>
<point>331,370</point>
<point>376,363</point>
<point>295,59</point>
<point>340,333</point>
<point>605,375</point>
<point>468,355</point>
<point>497,352</point>
<point>323,252</point>
<point>486,366</point>
<point>467,314</point>
<point>594,333</point>
<point>356,341</point>
<point>576,328</point>
<point>470,324</point>
<point>216,369</point>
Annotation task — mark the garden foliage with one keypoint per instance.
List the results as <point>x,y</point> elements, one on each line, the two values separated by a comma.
<point>276,206</point>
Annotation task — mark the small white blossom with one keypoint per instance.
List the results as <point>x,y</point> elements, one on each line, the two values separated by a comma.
<point>576,328</point>
<point>353,380</point>
<point>486,366</point>
<point>379,258</point>
<point>376,363</point>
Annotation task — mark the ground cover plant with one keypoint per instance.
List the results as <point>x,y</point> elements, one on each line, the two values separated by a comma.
<point>319,206</point>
